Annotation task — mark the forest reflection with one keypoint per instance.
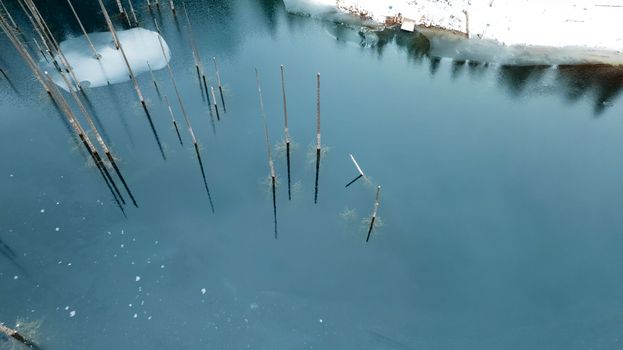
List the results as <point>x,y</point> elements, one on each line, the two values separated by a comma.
<point>600,84</point>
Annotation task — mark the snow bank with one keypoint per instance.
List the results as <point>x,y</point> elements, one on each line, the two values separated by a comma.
<point>577,24</point>
<point>140,46</point>
<point>555,23</point>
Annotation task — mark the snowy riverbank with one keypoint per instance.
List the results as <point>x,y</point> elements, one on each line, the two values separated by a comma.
<point>578,24</point>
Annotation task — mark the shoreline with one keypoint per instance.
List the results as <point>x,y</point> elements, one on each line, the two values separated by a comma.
<point>573,31</point>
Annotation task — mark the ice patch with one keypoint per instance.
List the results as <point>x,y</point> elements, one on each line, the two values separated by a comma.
<point>140,46</point>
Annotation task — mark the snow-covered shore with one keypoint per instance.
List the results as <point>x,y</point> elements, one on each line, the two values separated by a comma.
<point>579,24</point>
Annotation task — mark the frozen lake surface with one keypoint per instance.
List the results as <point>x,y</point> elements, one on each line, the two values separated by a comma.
<point>500,211</point>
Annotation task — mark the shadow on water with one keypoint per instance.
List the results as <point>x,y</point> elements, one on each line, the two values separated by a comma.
<point>96,117</point>
<point>61,117</point>
<point>4,76</point>
<point>476,69</point>
<point>433,66</point>
<point>515,79</point>
<point>599,83</point>
<point>457,68</point>
<point>121,115</point>
<point>271,10</point>
<point>10,255</point>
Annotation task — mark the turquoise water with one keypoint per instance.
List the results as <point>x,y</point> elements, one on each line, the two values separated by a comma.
<point>500,206</point>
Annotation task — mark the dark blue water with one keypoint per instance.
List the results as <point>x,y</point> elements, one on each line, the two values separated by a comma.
<point>500,209</point>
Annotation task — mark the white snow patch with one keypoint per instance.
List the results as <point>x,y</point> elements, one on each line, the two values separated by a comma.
<point>140,46</point>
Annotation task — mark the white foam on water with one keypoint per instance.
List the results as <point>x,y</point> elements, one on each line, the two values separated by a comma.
<point>140,46</point>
